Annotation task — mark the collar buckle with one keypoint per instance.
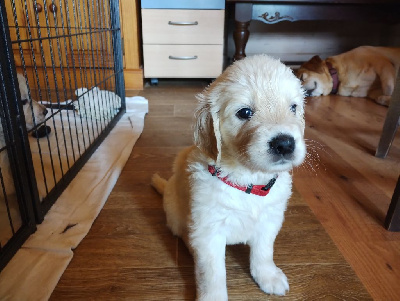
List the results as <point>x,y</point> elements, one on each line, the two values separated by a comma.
<point>269,185</point>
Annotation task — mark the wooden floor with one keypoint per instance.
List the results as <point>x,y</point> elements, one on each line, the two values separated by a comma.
<point>130,254</point>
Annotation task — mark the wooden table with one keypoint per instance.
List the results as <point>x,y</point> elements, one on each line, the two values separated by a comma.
<point>271,12</point>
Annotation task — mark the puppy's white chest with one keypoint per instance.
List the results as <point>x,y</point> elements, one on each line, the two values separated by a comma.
<point>235,214</point>
<point>240,224</point>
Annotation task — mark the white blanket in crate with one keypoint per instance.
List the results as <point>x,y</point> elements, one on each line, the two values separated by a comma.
<point>92,102</point>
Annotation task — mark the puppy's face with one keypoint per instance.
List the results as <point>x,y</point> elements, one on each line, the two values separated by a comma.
<point>315,77</point>
<point>34,112</point>
<point>256,114</point>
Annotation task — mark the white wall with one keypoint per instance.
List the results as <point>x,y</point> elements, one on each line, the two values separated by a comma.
<point>299,41</point>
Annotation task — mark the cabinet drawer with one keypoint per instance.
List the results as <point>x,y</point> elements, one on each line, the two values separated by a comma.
<point>177,61</point>
<point>185,4</point>
<point>172,26</point>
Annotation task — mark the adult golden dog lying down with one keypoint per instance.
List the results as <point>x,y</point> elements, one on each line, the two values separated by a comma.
<point>365,71</point>
<point>232,186</point>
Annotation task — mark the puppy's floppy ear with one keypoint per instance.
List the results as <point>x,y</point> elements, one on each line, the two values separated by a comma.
<point>315,64</point>
<point>207,136</point>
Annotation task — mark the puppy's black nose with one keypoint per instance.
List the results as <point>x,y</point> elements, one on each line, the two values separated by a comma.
<point>45,112</point>
<point>282,145</point>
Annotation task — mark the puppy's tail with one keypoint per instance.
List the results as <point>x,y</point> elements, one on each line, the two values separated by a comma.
<point>158,183</point>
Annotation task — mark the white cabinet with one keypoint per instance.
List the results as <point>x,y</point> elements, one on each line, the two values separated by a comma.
<point>182,43</point>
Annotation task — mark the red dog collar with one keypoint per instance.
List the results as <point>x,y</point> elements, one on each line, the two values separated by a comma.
<point>335,78</point>
<point>260,190</point>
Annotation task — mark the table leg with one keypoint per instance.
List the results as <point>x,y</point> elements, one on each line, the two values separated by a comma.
<point>241,36</point>
<point>391,122</point>
<point>243,13</point>
<point>392,221</point>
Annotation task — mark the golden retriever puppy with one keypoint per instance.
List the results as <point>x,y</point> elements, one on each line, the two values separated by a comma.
<point>35,113</point>
<point>232,186</point>
<point>365,71</point>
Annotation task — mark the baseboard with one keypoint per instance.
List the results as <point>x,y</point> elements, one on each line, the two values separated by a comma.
<point>133,79</point>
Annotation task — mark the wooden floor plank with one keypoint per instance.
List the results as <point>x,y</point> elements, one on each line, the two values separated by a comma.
<point>351,193</point>
<point>308,282</point>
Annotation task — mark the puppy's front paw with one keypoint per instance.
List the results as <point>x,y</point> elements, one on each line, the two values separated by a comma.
<point>271,280</point>
<point>218,295</point>
<point>383,100</point>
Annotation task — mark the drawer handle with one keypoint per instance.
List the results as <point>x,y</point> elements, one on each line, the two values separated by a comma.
<point>171,57</point>
<point>183,23</point>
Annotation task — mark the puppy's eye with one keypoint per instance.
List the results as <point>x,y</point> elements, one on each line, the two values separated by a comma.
<point>245,113</point>
<point>293,108</point>
<point>24,101</point>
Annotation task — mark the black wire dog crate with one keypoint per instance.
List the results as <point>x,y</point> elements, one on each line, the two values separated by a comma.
<point>61,92</point>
